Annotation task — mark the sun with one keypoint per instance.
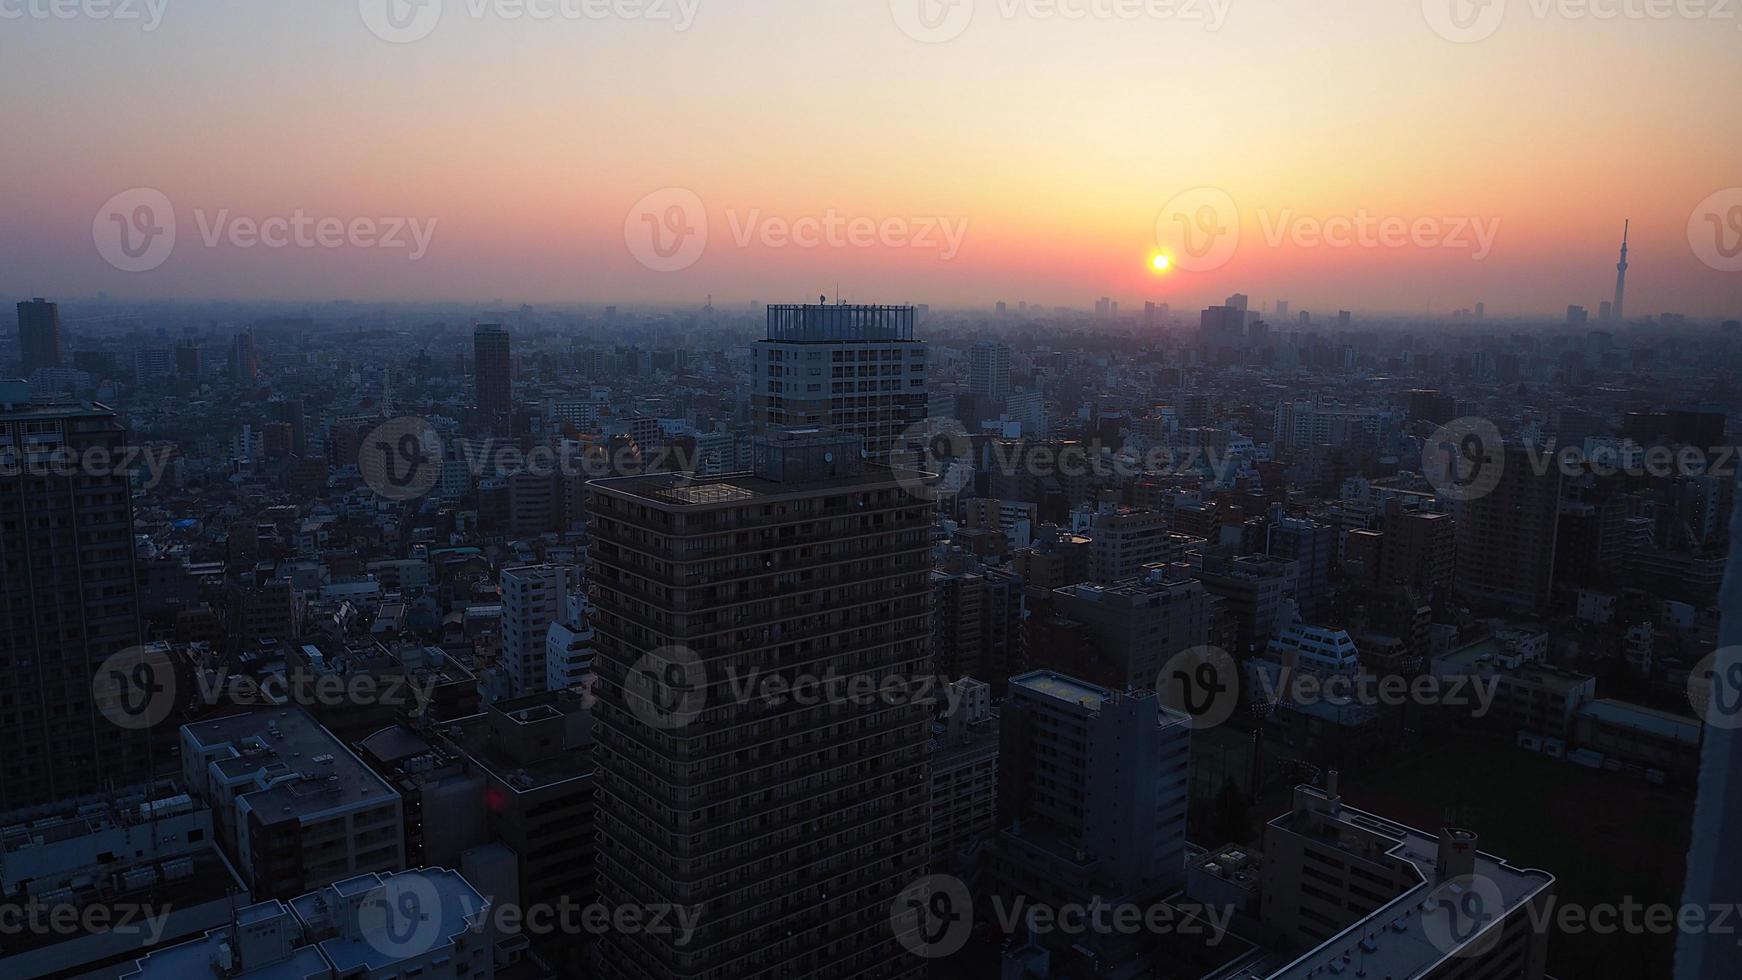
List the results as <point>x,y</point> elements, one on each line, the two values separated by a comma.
<point>1160,263</point>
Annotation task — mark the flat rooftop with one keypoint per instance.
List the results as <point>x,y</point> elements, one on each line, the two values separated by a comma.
<point>685,490</point>
<point>1066,690</point>
<point>276,742</point>
<point>1393,940</point>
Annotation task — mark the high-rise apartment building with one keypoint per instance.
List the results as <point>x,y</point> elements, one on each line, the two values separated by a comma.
<point>789,823</point>
<point>1418,550</point>
<point>68,600</point>
<point>1312,546</point>
<point>1093,788</point>
<point>533,598</point>
<point>493,370</point>
<point>854,369</point>
<point>39,340</point>
<point>989,371</point>
<point>1506,537</point>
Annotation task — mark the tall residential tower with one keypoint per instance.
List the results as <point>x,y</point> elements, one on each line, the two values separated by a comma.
<point>788,821</point>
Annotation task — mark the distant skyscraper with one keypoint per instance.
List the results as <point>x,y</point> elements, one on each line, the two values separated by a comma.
<point>855,369</point>
<point>188,364</point>
<point>67,603</point>
<point>244,359</point>
<point>792,824</point>
<point>1577,315</point>
<point>1281,311</point>
<point>1620,306</point>
<point>39,335</point>
<point>989,371</point>
<point>1481,310</point>
<point>493,371</point>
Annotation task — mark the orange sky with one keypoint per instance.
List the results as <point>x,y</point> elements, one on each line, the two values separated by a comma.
<point>1055,142</point>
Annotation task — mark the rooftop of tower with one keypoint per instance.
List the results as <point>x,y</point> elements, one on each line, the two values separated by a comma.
<point>841,323</point>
